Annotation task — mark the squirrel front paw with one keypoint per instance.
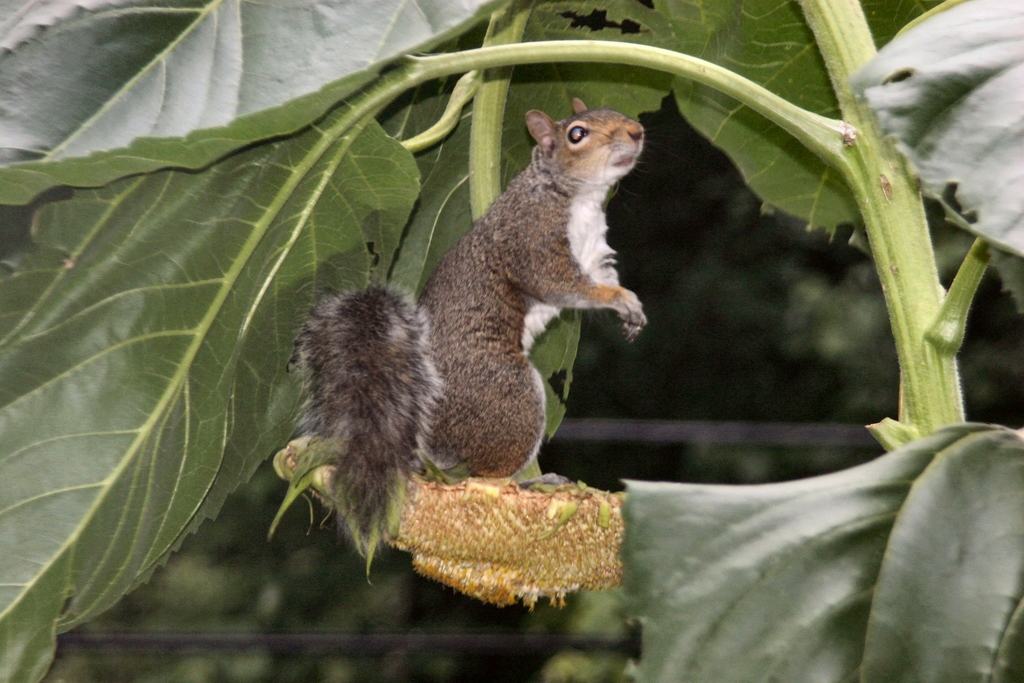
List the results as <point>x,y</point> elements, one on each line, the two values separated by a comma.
<point>632,315</point>
<point>623,302</point>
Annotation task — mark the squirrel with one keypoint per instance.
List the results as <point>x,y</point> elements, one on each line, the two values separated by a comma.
<point>451,376</point>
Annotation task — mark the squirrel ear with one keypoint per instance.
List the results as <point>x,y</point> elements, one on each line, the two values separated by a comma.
<point>577,105</point>
<point>543,129</point>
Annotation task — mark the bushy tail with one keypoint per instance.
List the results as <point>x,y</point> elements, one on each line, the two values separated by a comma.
<point>371,384</point>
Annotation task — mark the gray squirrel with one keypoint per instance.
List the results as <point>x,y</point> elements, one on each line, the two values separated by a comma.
<point>451,376</point>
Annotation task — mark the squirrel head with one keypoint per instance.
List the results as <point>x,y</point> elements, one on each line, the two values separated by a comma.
<point>595,146</point>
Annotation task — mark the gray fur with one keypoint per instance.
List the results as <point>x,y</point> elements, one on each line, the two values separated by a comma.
<point>371,383</point>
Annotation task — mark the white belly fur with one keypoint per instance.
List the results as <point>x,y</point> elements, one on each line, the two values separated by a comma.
<point>536,321</point>
<point>587,229</point>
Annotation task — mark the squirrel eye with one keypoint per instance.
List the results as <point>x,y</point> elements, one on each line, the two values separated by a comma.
<point>577,133</point>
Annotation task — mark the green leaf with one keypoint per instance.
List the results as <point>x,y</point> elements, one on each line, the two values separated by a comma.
<point>772,582</point>
<point>886,18</point>
<point>77,83</point>
<point>144,347</point>
<point>1011,273</point>
<point>769,43</point>
<point>553,355</point>
<point>26,641</point>
<point>949,602</point>
<point>442,214</point>
<point>952,92</point>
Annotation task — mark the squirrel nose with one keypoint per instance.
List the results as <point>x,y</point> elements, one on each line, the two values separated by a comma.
<point>637,135</point>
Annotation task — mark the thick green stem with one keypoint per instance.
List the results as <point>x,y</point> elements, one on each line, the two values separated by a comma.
<point>890,203</point>
<point>822,135</point>
<point>947,332</point>
<point>506,28</point>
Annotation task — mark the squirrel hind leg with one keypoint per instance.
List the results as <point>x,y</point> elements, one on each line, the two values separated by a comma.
<point>370,383</point>
<point>492,416</point>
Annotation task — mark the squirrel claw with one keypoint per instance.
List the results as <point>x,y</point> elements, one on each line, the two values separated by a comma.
<point>633,324</point>
<point>631,312</point>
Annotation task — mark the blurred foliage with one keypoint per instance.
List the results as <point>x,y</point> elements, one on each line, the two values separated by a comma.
<point>752,318</point>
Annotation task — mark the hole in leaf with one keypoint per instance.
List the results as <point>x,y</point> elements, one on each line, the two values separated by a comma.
<point>557,382</point>
<point>949,197</point>
<point>598,21</point>
<point>16,226</point>
<point>371,249</point>
<point>899,75</point>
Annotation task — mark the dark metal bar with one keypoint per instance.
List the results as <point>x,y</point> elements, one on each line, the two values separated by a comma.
<point>699,431</point>
<point>341,643</point>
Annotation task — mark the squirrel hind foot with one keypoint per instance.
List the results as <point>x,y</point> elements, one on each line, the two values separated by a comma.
<point>546,479</point>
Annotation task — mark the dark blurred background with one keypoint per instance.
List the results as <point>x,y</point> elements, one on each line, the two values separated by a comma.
<point>752,318</point>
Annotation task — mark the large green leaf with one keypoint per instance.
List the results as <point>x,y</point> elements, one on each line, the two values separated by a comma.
<point>81,81</point>
<point>442,215</point>
<point>952,92</point>
<point>886,18</point>
<point>1011,272</point>
<point>768,42</point>
<point>143,347</point>
<point>773,582</point>
<point>554,355</point>
<point>949,604</point>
